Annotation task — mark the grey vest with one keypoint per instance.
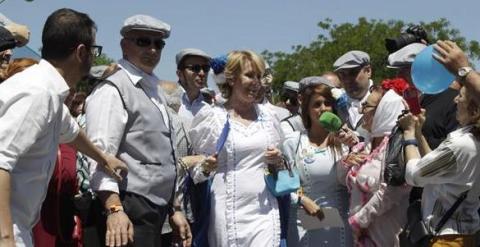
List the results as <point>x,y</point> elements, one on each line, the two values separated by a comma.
<point>146,146</point>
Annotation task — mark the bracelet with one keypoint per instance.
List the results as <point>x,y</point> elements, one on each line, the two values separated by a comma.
<point>182,164</point>
<point>410,142</point>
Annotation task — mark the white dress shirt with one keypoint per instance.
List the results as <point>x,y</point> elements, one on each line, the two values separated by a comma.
<point>106,119</point>
<point>33,121</point>
<point>188,109</point>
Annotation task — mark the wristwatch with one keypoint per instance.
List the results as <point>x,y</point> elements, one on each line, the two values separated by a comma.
<point>463,71</point>
<point>114,209</point>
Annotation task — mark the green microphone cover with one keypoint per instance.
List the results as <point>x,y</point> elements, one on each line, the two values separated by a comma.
<point>330,122</point>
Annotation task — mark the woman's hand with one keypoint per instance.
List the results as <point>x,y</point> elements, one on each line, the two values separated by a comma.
<point>347,136</point>
<point>408,123</point>
<point>273,157</point>
<point>311,207</point>
<point>210,164</point>
<point>354,159</point>
<point>420,121</point>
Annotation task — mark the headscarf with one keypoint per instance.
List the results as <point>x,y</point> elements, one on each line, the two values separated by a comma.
<point>386,115</point>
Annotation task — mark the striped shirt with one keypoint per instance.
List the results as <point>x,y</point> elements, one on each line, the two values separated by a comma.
<point>445,173</point>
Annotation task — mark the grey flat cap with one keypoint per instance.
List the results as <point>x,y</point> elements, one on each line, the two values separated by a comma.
<point>404,56</point>
<point>291,85</point>
<point>145,23</point>
<point>351,59</point>
<point>314,80</point>
<point>190,52</point>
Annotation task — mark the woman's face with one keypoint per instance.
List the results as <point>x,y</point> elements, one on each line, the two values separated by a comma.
<point>368,109</point>
<point>247,85</point>
<point>318,105</point>
<point>465,115</point>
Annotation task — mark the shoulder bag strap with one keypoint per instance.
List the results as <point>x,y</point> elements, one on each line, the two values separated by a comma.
<point>450,211</point>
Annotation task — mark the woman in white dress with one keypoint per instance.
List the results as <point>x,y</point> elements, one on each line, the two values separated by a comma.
<point>243,211</point>
<point>316,155</point>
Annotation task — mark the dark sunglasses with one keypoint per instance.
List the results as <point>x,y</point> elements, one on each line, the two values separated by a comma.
<point>147,42</point>
<point>197,67</point>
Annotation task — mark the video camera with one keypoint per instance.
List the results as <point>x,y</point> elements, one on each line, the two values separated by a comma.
<point>413,34</point>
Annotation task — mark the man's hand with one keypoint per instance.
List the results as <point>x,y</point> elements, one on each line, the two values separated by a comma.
<point>7,242</point>
<point>311,207</point>
<point>450,55</point>
<point>115,167</point>
<point>119,230</point>
<point>181,229</point>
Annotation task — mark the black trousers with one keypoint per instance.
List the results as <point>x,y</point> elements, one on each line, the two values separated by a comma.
<point>147,219</point>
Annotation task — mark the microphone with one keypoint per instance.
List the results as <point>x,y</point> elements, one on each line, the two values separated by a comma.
<point>330,122</point>
<point>333,124</point>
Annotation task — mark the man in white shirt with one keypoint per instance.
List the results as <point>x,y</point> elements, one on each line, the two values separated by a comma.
<point>126,115</point>
<point>192,71</point>
<point>354,71</point>
<point>34,120</point>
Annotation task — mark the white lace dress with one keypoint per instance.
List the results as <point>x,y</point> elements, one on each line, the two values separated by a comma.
<point>243,211</point>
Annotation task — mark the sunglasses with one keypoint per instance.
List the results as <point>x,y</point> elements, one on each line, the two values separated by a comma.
<point>197,67</point>
<point>147,42</point>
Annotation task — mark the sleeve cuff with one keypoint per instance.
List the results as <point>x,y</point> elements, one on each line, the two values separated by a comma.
<point>100,181</point>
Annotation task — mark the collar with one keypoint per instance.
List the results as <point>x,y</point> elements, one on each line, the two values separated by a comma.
<point>57,82</point>
<point>135,74</point>
<point>187,101</point>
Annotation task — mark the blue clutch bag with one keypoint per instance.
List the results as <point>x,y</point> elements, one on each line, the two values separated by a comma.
<point>283,182</point>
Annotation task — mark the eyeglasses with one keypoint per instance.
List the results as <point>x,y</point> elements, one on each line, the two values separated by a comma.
<point>96,50</point>
<point>147,42</point>
<point>197,67</point>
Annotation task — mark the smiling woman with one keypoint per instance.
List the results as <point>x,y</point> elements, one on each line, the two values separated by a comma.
<point>243,211</point>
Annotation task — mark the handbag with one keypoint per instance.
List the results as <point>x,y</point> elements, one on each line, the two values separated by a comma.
<point>416,233</point>
<point>283,182</point>
<point>394,173</point>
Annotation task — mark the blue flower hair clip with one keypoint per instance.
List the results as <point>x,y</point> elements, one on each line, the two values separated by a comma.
<point>218,64</point>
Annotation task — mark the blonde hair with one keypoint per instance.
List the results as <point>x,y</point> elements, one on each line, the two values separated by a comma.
<point>18,65</point>
<point>236,64</point>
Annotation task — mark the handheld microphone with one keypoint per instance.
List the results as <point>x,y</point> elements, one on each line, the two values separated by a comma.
<point>330,122</point>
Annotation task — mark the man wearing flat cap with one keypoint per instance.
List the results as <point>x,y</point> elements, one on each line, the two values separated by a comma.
<point>354,71</point>
<point>126,115</point>
<point>192,71</point>
<point>440,108</point>
<point>289,97</point>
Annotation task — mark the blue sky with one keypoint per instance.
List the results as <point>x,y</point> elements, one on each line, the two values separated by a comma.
<point>220,26</point>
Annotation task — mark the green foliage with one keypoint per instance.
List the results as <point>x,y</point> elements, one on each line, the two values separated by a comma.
<point>366,35</point>
<point>103,59</point>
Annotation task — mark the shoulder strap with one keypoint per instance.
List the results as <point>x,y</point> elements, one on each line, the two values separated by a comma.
<point>450,211</point>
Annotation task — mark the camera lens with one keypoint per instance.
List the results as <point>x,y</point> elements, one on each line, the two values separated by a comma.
<point>398,43</point>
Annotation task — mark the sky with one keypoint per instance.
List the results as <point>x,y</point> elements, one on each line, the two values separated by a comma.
<point>218,27</point>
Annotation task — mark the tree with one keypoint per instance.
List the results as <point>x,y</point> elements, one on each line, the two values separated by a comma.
<point>103,59</point>
<point>366,35</point>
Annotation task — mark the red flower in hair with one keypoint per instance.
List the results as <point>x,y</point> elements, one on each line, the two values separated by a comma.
<point>399,85</point>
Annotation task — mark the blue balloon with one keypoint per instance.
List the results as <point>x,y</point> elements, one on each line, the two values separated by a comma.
<point>428,75</point>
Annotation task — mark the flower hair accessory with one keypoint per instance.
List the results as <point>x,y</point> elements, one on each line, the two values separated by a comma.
<point>340,97</point>
<point>218,67</point>
<point>399,85</point>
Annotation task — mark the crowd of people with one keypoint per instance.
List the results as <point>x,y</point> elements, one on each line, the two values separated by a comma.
<point>113,156</point>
